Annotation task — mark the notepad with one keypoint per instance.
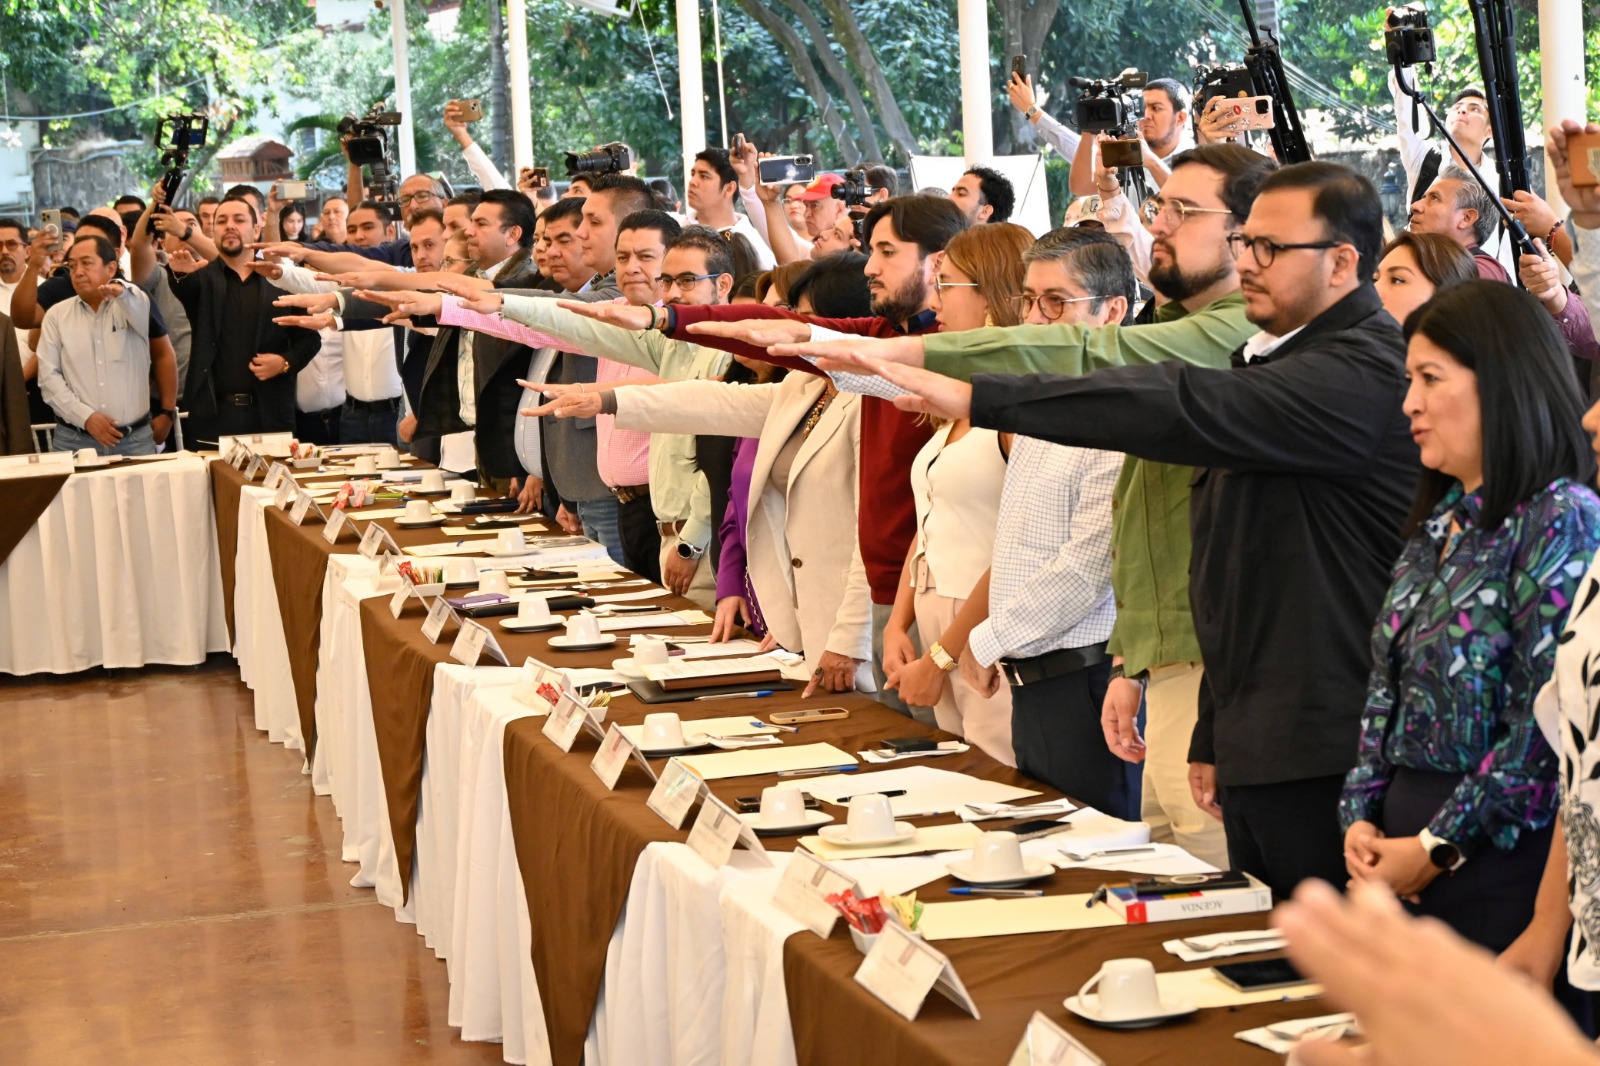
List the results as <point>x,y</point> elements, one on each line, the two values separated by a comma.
<point>737,726</point>
<point>1205,989</point>
<point>449,547</point>
<point>677,672</point>
<point>1009,917</point>
<point>473,531</point>
<point>935,838</point>
<point>769,761</point>
<point>381,512</point>
<point>928,790</point>
<point>650,621</point>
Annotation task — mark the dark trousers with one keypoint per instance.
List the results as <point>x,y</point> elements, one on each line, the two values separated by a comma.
<point>1055,732</point>
<point>231,420</point>
<point>641,537</point>
<point>1286,832</point>
<point>362,422</point>
<point>1490,899</point>
<point>317,427</point>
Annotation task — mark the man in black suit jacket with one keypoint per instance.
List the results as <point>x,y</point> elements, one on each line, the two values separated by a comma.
<point>241,363</point>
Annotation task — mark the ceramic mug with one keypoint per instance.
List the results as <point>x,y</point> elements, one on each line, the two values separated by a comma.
<point>388,459</point>
<point>871,817</point>
<point>533,610</point>
<point>461,491</point>
<point>650,651</point>
<point>1127,989</point>
<point>583,628</point>
<point>494,581</point>
<point>86,455</point>
<point>432,481</point>
<point>782,806</point>
<point>511,540</point>
<point>662,730</point>
<point>418,510</point>
<point>997,857</point>
<point>460,571</point>
<point>366,464</point>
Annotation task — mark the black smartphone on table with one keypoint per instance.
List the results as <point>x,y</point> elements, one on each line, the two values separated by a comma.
<point>1259,976</point>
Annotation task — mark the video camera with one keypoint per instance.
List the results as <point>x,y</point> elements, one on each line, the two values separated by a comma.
<point>1408,41</point>
<point>176,135</point>
<point>853,190</point>
<point>1103,105</point>
<point>603,159</point>
<point>365,142</point>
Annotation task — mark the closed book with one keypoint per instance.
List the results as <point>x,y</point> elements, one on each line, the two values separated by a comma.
<point>1200,903</point>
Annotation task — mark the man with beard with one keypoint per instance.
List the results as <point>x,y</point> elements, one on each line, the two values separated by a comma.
<point>241,364</point>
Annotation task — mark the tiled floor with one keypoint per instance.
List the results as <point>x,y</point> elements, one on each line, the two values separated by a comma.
<point>171,891</point>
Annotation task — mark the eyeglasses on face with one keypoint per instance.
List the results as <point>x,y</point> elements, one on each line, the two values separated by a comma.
<point>685,281</point>
<point>1266,251</point>
<point>448,261</point>
<point>420,197</point>
<point>1175,212</point>
<point>943,285</point>
<point>1051,306</point>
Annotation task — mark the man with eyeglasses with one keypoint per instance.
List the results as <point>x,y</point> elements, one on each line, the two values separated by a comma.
<point>1306,472</point>
<point>419,192</point>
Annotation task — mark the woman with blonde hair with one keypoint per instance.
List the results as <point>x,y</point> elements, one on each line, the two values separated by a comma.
<point>956,480</point>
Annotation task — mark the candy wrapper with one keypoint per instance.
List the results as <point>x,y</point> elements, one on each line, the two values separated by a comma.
<point>864,915</point>
<point>903,909</point>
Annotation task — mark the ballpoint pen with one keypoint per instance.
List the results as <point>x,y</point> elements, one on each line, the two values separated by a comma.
<point>1009,893</point>
<point>738,695</point>
<point>774,725</point>
<point>818,770</point>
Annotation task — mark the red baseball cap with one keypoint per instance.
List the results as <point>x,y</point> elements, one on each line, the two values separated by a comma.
<point>822,188</point>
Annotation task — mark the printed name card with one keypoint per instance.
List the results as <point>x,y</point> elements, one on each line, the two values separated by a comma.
<point>538,687</point>
<point>470,639</point>
<point>284,493</point>
<point>237,455</point>
<point>304,505</point>
<point>438,614</point>
<point>1047,1044</point>
<point>676,790</point>
<point>336,523</point>
<point>397,602</point>
<point>902,968</point>
<point>255,467</point>
<point>565,722</point>
<point>371,541</point>
<point>615,752</point>
<point>804,889</point>
<point>715,831</point>
<point>277,474</point>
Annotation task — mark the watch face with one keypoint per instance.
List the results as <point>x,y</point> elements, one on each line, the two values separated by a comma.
<point>1444,856</point>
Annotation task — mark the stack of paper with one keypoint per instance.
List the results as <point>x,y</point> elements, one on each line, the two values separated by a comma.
<point>737,726</point>
<point>678,669</point>
<point>771,761</point>
<point>1008,917</point>
<point>937,838</point>
<point>928,790</point>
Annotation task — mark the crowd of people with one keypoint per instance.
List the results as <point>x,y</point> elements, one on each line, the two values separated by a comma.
<point>1230,510</point>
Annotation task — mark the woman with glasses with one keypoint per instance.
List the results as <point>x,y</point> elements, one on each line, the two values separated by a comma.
<point>1454,791</point>
<point>956,480</point>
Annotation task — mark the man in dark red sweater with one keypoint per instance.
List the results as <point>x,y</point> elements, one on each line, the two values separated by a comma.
<point>903,236</point>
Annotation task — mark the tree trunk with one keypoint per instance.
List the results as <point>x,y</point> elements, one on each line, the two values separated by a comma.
<point>1023,23</point>
<point>841,77</point>
<point>800,60</point>
<point>499,92</point>
<point>847,31</point>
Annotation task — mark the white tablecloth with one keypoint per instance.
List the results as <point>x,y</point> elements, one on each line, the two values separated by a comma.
<point>119,571</point>
<point>258,641</point>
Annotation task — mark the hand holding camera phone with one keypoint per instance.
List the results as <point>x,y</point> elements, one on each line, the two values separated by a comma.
<point>470,110</point>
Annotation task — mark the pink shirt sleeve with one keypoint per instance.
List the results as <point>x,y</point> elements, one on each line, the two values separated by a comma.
<point>451,313</point>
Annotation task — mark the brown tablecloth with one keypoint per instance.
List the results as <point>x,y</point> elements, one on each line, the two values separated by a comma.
<point>226,483</point>
<point>25,500</point>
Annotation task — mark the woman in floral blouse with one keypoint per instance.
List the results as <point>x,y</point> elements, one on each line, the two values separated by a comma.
<point>1454,791</point>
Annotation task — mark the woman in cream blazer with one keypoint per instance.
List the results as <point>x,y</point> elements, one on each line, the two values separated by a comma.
<point>803,560</point>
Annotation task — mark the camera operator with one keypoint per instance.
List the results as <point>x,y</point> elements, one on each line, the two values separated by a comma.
<point>713,186</point>
<point>984,195</point>
<point>1467,121</point>
<point>1162,132</point>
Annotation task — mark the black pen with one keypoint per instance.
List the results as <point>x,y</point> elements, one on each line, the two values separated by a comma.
<point>1099,895</point>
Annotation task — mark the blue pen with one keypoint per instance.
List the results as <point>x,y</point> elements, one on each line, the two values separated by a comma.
<point>780,728</point>
<point>818,770</point>
<point>1010,893</point>
<point>739,695</point>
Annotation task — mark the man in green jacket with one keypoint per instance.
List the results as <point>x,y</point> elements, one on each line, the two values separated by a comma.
<point>1202,322</point>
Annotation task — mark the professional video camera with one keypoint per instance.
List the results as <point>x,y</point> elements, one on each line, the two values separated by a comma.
<point>176,135</point>
<point>603,159</point>
<point>1103,105</point>
<point>853,190</point>
<point>1408,41</point>
<point>365,142</point>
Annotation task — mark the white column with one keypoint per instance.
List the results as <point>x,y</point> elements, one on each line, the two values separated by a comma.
<point>517,75</point>
<point>402,87</point>
<point>977,129</point>
<point>1561,75</point>
<point>691,91</point>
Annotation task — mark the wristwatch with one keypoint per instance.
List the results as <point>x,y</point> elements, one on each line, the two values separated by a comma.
<point>941,658</point>
<point>1116,672</point>
<point>1442,853</point>
<point>689,551</point>
<point>1031,112</point>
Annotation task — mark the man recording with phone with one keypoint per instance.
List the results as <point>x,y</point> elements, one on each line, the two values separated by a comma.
<point>457,114</point>
<point>1161,132</point>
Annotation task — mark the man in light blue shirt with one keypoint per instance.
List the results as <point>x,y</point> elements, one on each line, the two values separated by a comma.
<point>95,359</point>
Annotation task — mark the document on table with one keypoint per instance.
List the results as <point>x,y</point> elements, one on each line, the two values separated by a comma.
<point>737,726</point>
<point>956,837</point>
<point>648,621</point>
<point>628,597</point>
<point>928,790</point>
<point>678,670</point>
<point>379,512</point>
<point>728,649</point>
<point>1008,917</point>
<point>447,547</point>
<point>766,761</point>
<point>474,531</point>
<point>1205,989</point>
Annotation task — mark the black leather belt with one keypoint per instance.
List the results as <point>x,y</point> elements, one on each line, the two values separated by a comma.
<point>391,404</point>
<point>238,399</point>
<point>629,493</point>
<point>1053,664</point>
<point>138,423</point>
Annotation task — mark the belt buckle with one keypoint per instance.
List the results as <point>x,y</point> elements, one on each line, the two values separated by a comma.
<point>1009,671</point>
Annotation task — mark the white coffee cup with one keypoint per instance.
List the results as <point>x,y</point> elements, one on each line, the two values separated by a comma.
<point>662,729</point>
<point>86,455</point>
<point>650,651</point>
<point>458,571</point>
<point>533,610</point>
<point>997,857</point>
<point>494,581</point>
<point>871,817</point>
<point>432,481</point>
<point>418,510</point>
<point>782,806</point>
<point>462,491</point>
<point>1127,989</point>
<point>511,540</point>
<point>366,464</point>
<point>388,459</point>
<point>583,628</point>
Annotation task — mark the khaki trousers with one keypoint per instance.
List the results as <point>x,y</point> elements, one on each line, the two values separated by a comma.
<point>1171,709</point>
<point>962,709</point>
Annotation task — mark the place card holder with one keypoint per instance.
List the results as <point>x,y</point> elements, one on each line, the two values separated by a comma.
<point>337,520</point>
<point>567,719</point>
<point>902,968</point>
<point>277,474</point>
<point>472,640</point>
<point>676,790</point>
<point>284,494</point>
<point>438,614</point>
<point>255,467</point>
<point>397,602</point>
<point>304,506</point>
<point>374,538</point>
<point>1047,1044</point>
<point>804,888</point>
<point>616,751</point>
<point>718,829</point>
<point>538,687</point>
<point>238,455</point>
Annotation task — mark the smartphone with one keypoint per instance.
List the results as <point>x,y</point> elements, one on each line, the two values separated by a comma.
<point>752,804</point>
<point>50,221</point>
<point>738,144</point>
<point>1187,884</point>
<point>1583,156</point>
<point>1122,153</point>
<point>905,744</point>
<point>811,714</point>
<point>1039,827</point>
<point>787,169</point>
<point>1251,112</point>
<point>1019,67</point>
<point>536,177</point>
<point>1259,976</point>
<point>471,110</point>
<point>293,190</point>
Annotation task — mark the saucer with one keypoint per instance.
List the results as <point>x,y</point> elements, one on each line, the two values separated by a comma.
<point>565,643</point>
<point>1032,870</point>
<point>532,627</point>
<point>813,818</point>
<point>503,553</point>
<point>839,836</point>
<point>470,583</point>
<point>406,523</point>
<point>427,492</point>
<point>663,753</point>
<point>1088,1008</point>
<point>628,668</point>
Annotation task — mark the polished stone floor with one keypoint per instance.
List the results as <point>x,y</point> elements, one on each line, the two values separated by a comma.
<point>171,891</point>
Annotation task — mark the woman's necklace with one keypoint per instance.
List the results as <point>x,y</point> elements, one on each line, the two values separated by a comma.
<point>817,409</point>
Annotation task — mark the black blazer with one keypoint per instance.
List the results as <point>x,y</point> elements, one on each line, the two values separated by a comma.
<point>203,295</point>
<point>1307,473</point>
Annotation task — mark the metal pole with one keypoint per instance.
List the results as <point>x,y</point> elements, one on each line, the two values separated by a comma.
<point>1561,74</point>
<point>402,86</point>
<point>517,75</point>
<point>691,89</point>
<point>977,125</point>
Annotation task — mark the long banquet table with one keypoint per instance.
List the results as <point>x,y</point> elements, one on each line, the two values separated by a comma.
<point>575,924</point>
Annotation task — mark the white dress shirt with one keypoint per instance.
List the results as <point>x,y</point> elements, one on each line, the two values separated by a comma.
<point>1050,583</point>
<point>742,224</point>
<point>320,385</point>
<point>371,371</point>
<point>97,360</point>
<point>466,373</point>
